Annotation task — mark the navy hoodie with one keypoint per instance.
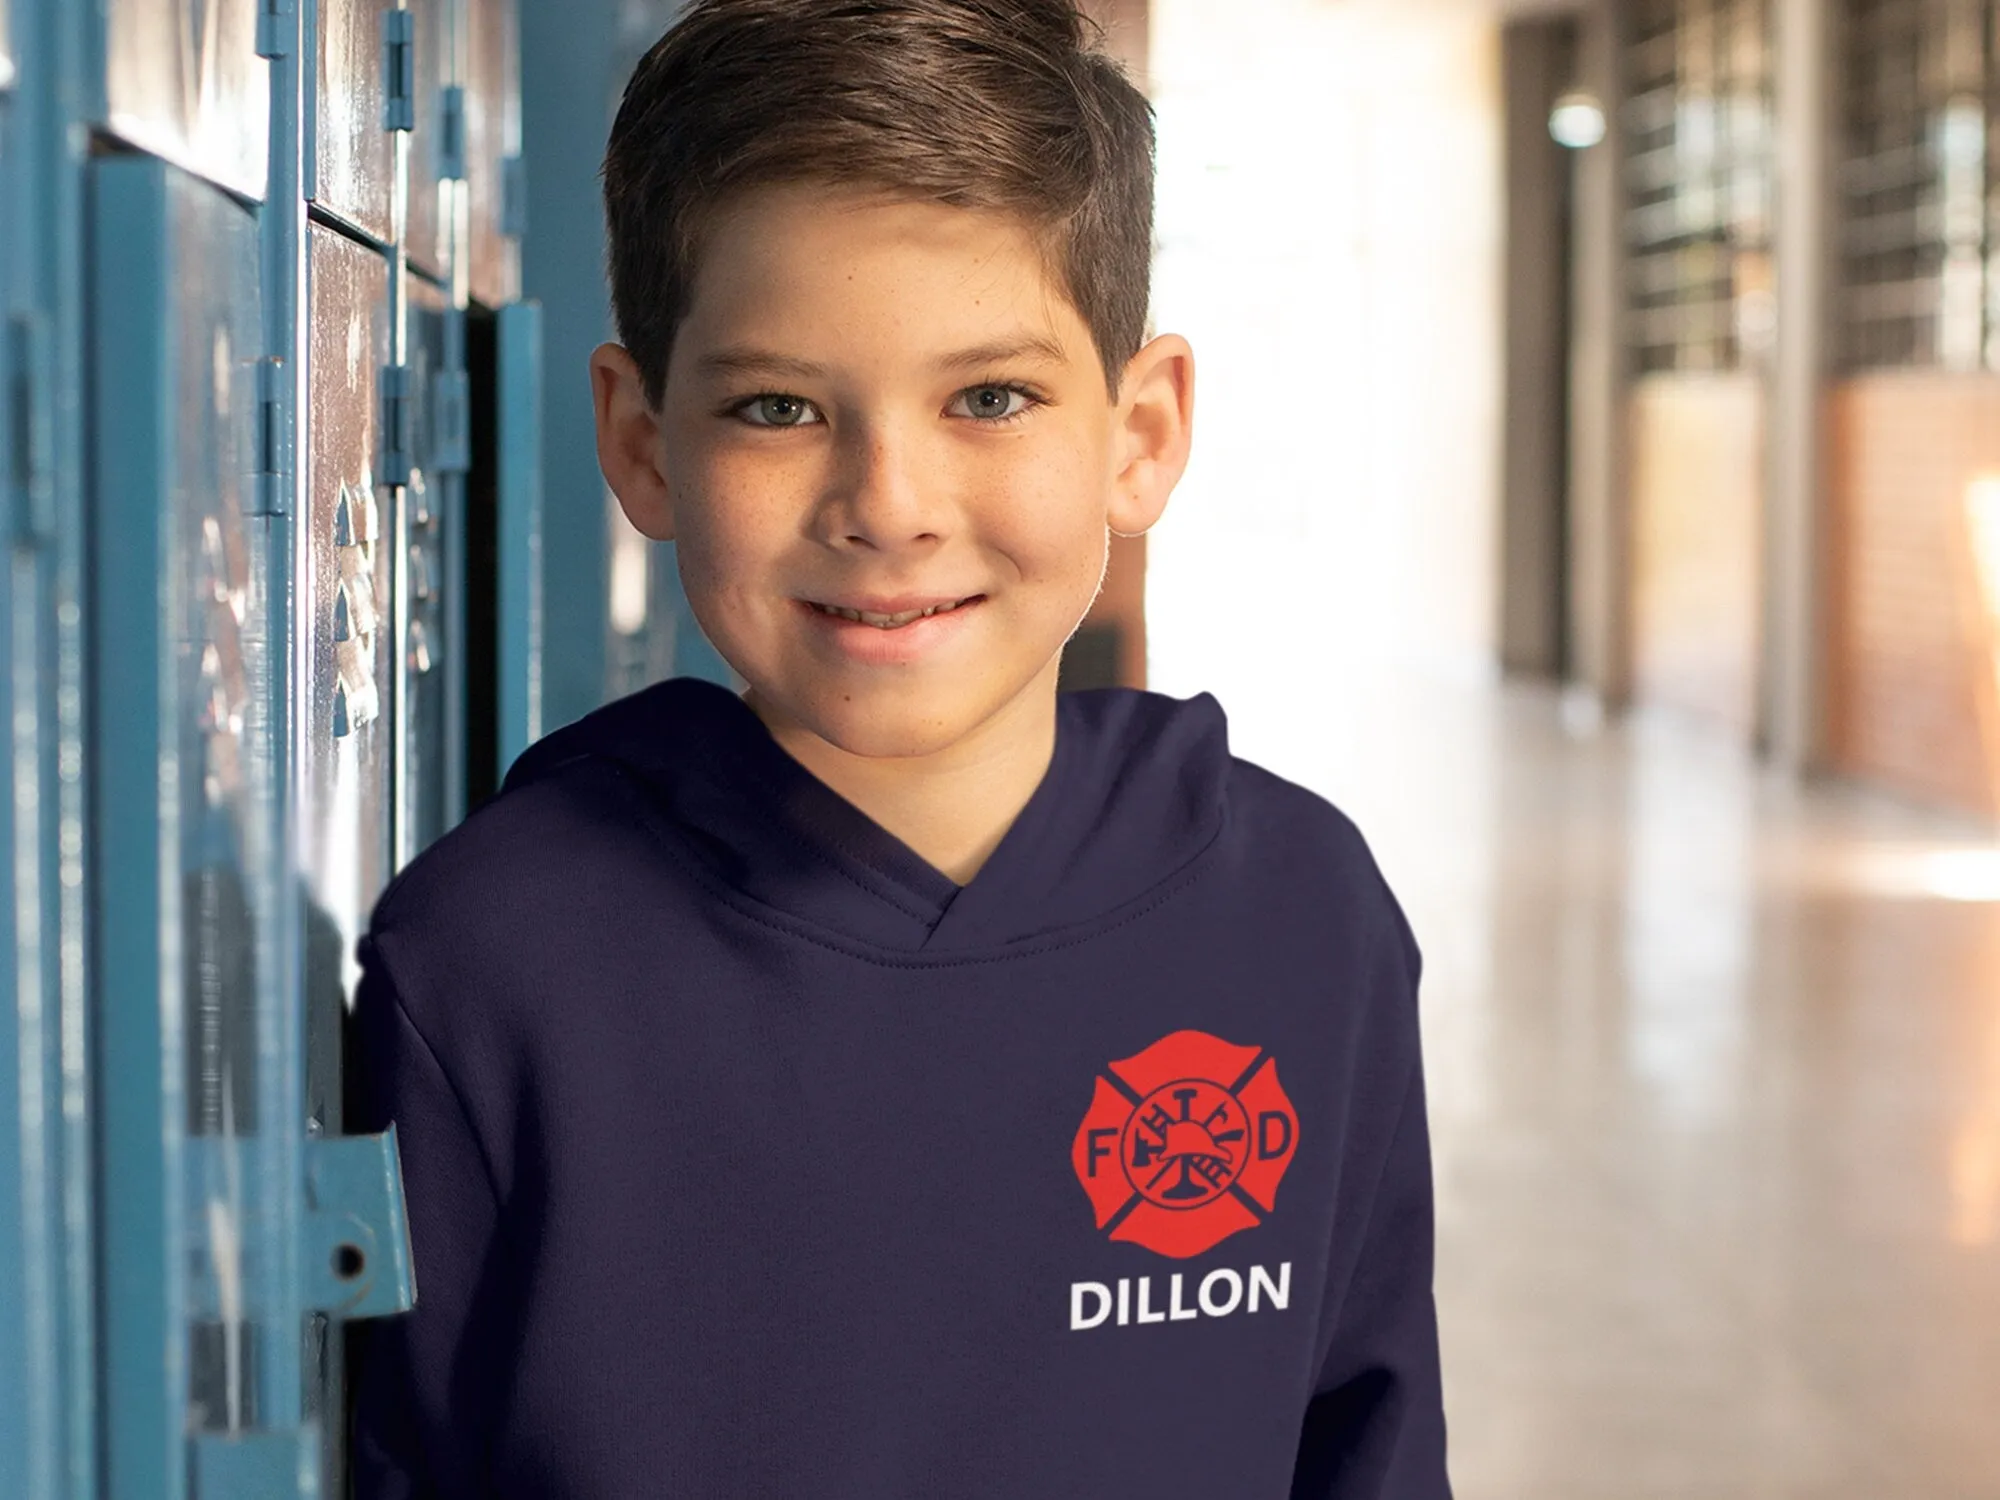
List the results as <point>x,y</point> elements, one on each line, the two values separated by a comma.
<point>748,1155</point>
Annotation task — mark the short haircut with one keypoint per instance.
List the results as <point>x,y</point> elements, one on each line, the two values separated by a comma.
<point>983,104</point>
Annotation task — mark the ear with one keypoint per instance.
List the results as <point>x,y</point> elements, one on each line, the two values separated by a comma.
<point>1154,429</point>
<point>628,442</point>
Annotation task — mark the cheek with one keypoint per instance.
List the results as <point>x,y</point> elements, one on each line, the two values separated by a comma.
<point>727,525</point>
<point>1049,517</point>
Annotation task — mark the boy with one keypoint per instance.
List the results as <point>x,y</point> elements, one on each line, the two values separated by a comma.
<point>897,1082</point>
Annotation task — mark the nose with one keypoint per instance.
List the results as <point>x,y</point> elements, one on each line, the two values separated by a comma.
<point>884,496</point>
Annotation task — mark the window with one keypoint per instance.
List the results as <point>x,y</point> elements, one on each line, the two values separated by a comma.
<point>1698,123</point>
<point>1919,197</point>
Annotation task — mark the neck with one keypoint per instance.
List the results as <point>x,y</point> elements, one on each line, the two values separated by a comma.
<point>954,805</point>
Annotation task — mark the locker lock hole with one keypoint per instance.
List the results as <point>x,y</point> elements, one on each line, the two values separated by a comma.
<point>348,1261</point>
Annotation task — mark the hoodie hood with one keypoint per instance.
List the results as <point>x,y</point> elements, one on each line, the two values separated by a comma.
<point>1134,793</point>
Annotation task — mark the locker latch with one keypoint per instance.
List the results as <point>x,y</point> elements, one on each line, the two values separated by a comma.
<point>357,1243</point>
<point>353,1247</point>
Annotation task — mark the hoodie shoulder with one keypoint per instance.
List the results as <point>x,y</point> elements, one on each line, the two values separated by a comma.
<point>519,854</point>
<point>1308,836</point>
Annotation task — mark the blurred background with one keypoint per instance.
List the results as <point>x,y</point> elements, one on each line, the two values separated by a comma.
<point>1596,493</point>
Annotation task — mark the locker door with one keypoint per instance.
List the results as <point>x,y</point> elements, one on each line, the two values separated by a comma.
<point>48,1310</point>
<point>345,693</point>
<point>428,238</point>
<point>345,573</point>
<point>182,79</point>
<point>353,159</point>
<point>429,732</point>
<point>198,1109</point>
<point>15,1162</point>
<point>493,150</point>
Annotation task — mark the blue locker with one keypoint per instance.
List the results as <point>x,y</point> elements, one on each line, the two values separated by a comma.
<point>15,1355</point>
<point>346,697</point>
<point>432,732</point>
<point>493,151</point>
<point>48,1309</point>
<point>182,79</point>
<point>345,573</point>
<point>437,146</point>
<point>352,160</point>
<point>198,1102</point>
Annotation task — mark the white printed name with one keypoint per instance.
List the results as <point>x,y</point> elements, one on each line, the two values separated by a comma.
<point>1218,1294</point>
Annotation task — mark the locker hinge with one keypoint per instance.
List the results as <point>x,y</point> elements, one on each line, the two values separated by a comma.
<point>30,388</point>
<point>513,196</point>
<point>451,134</point>
<point>397,411</point>
<point>399,70</point>
<point>277,28</point>
<point>272,441</point>
<point>256,1465</point>
<point>451,407</point>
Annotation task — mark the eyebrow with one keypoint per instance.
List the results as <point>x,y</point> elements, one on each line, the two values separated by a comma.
<point>746,360</point>
<point>1033,346</point>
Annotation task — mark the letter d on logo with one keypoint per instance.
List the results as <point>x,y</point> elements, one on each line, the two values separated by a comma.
<point>1077,1293</point>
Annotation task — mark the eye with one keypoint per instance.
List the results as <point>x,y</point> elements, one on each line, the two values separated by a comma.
<point>777,411</point>
<point>991,403</point>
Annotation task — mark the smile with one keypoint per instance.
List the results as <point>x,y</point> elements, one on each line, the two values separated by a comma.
<point>893,621</point>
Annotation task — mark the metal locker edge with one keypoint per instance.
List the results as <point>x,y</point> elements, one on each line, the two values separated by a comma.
<point>47,1242</point>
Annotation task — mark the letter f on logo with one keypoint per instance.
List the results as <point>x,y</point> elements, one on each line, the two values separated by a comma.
<point>1096,1151</point>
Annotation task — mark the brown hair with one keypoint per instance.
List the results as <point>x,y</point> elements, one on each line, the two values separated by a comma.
<point>988,104</point>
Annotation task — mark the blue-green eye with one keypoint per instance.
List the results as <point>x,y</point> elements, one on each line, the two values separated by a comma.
<point>992,403</point>
<point>777,411</point>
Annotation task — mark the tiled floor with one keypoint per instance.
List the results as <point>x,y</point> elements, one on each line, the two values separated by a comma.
<point>1715,1091</point>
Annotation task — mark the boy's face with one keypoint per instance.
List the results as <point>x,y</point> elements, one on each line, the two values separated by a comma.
<point>882,406</point>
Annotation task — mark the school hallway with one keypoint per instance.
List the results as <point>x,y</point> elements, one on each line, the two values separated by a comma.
<point>1714,1084</point>
<point>1672,728</point>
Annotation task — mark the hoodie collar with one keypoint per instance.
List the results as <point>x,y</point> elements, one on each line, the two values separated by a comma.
<point>1133,793</point>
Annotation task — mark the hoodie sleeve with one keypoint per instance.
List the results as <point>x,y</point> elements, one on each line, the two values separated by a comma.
<point>1374,1427</point>
<point>425,1382</point>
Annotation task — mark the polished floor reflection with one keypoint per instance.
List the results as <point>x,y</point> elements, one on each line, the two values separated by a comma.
<point>1715,1090</point>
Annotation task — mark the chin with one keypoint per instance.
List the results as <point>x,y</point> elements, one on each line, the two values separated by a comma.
<point>883,725</point>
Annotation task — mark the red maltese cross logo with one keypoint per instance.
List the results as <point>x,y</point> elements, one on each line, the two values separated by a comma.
<point>1185,1143</point>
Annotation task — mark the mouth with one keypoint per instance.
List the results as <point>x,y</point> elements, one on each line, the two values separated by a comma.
<point>896,618</point>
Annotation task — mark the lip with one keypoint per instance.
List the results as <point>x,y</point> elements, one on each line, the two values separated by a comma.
<point>872,646</point>
<point>891,604</point>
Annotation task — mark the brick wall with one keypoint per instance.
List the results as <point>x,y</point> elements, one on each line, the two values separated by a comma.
<point>1914,650</point>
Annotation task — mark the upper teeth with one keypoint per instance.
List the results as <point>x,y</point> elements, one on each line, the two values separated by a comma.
<point>887,622</point>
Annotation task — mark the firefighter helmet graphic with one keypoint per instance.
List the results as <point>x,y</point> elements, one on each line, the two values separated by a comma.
<point>1185,1143</point>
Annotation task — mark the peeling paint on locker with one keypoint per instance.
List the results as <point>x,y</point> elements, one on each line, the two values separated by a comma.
<point>493,150</point>
<point>344,578</point>
<point>182,80</point>
<point>351,152</point>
